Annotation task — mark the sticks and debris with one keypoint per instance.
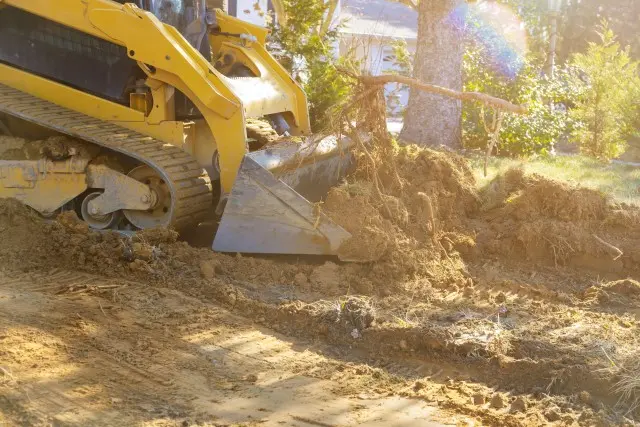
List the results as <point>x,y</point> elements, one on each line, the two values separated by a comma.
<point>372,97</point>
<point>616,252</point>
<point>488,100</point>
<point>86,288</point>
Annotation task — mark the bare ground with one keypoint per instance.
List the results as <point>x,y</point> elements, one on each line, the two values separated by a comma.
<point>121,353</point>
<point>494,308</point>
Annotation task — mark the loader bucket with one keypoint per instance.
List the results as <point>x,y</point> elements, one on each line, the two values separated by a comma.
<point>270,209</point>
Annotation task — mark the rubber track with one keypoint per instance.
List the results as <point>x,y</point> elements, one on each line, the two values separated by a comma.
<point>189,184</point>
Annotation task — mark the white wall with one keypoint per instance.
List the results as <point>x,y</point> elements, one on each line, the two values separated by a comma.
<point>376,55</point>
<point>247,11</point>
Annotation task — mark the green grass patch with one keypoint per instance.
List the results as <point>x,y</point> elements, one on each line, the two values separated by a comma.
<point>621,182</point>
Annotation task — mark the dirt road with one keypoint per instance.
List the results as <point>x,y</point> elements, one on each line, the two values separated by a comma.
<point>122,353</point>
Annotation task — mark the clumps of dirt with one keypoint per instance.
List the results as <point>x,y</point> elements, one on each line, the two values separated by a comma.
<point>21,242</point>
<point>157,255</point>
<point>54,148</point>
<point>620,292</point>
<point>326,277</point>
<point>372,232</point>
<point>526,197</point>
<point>261,132</point>
<point>534,218</point>
<point>629,288</point>
<point>404,222</point>
<point>354,313</point>
<point>11,145</point>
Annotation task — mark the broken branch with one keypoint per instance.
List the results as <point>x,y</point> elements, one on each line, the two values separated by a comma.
<point>617,252</point>
<point>483,98</point>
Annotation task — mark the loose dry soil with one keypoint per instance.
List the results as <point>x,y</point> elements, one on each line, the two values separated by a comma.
<point>515,305</point>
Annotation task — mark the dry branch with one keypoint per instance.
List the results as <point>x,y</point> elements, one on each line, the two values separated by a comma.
<point>483,98</point>
<point>617,253</point>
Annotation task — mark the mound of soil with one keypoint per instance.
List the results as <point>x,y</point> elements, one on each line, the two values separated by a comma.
<point>408,228</point>
<point>533,218</point>
<point>440,265</point>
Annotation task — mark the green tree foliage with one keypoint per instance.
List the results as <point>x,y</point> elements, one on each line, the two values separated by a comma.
<point>402,58</point>
<point>520,81</point>
<point>581,17</point>
<point>306,41</point>
<point>402,65</point>
<point>608,106</point>
<point>533,133</point>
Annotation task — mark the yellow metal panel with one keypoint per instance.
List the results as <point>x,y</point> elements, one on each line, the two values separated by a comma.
<point>229,134</point>
<point>42,184</point>
<point>163,102</point>
<point>147,40</point>
<point>293,99</point>
<point>166,56</point>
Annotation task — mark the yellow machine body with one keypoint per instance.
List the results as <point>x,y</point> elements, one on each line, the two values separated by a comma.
<point>225,103</point>
<point>215,139</point>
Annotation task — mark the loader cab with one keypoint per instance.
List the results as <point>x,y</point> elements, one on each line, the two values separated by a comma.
<point>188,16</point>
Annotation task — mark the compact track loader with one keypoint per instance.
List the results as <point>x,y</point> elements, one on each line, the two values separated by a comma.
<point>140,113</point>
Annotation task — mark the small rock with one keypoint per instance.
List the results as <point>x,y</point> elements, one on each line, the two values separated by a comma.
<point>301,279</point>
<point>142,251</point>
<point>519,405</point>
<point>251,378</point>
<point>418,385</point>
<point>326,277</point>
<point>208,269</point>
<point>497,401</point>
<point>478,399</point>
<point>403,344</point>
<point>501,298</point>
<point>355,334</point>
<point>127,253</point>
<point>552,415</point>
<point>585,397</point>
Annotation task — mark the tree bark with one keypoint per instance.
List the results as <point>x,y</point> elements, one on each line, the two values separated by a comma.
<point>433,119</point>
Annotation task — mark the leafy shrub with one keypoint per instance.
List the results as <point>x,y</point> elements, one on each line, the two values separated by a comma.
<point>306,44</point>
<point>608,106</point>
<point>547,100</point>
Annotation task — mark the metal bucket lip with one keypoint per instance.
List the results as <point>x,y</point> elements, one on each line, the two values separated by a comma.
<point>263,214</point>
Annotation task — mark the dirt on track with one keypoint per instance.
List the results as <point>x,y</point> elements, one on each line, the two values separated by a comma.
<point>514,305</point>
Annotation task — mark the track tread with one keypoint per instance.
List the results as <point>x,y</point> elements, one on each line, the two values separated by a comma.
<point>189,183</point>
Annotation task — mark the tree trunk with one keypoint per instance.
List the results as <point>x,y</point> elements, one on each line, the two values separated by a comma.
<point>433,119</point>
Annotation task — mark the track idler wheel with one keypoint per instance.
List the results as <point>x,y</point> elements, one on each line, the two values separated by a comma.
<point>97,221</point>
<point>160,211</point>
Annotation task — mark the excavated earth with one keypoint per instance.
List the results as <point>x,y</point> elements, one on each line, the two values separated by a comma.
<point>513,305</point>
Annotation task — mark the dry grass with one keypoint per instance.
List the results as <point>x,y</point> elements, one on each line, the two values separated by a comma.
<point>628,387</point>
<point>620,181</point>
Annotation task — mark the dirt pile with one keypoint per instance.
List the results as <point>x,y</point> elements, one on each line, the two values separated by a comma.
<point>408,224</point>
<point>533,218</point>
<point>513,331</point>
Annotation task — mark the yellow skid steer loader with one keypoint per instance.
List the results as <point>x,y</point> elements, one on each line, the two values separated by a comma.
<point>155,96</point>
